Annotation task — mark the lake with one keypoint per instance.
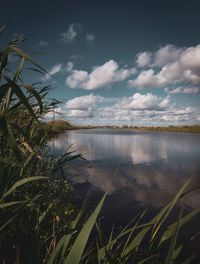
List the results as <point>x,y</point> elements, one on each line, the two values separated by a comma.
<point>139,169</point>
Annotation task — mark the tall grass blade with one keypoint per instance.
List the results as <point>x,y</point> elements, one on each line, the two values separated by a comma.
<point>147,259</point>
<point>8,204</point>
<point>61,248</point>
<point>78,247</point>
<point>157,221</point>
<point>171,252</point>
<point>162,216</point>
<point>21,53</point>
<point>22,182</point>
<point>21,96</point>
<point>34,93</point>
<point>4,59</point>
<point>169,232</point>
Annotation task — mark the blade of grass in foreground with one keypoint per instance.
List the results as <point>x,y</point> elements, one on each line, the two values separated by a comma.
<point>172,253</point>
<point>158,220</point>
<point>8,204</point>
<point>169,232</point>
<point>78,247</point>
<point>22,182</point>
<point>63,244</point>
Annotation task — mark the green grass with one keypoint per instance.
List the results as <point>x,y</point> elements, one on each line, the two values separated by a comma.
<point>57,126</point>
<point>187,129</point>
<point>54,127</point>
<point>154,241</point>
<point>32,195</point>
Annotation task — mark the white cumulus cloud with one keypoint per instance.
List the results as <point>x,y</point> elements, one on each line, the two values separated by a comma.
<point>54,70</point>
<point>84,102</point>
<point>177,65</point>
<point>143,59</point>
<point>144,102</point>
<point>183,90</point>
<point>101,76</point>
<point>147,78</point>
<point>77,79</point>
<point>167,54</point>
<point>138,109</point>
<point>177,115</point>
<point>75,113</point>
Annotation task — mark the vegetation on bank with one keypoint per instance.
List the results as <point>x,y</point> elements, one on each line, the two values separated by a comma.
<point>35,197</point>
<point>187,129</point>
<point>54,127</point>
<point>59,126</point>
<point>37,215</point>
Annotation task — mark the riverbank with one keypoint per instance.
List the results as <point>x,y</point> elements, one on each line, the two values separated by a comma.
<point>53,128</point>
<point>59,126</point>
<point>188,129</point>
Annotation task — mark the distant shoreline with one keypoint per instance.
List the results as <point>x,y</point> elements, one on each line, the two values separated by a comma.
<point>188,129</point>
<point>59,126</point>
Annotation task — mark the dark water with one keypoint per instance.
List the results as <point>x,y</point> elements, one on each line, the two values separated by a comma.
<point>138,169</point>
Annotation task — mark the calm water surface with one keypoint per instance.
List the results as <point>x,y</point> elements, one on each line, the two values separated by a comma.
<point>139,169</point>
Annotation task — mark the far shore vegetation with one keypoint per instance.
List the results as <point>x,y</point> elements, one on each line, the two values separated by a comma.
<point>57,126</point>
<point>188,129</point>
<point>39,219</point>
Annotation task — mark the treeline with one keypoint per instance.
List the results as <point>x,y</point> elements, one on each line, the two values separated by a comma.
<point>189,129</point>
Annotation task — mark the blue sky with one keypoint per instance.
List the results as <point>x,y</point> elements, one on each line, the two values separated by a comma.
<point>114,62</point>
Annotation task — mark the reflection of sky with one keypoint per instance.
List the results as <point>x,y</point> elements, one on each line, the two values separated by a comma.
<point>152,165</point>
<point>139,147</point>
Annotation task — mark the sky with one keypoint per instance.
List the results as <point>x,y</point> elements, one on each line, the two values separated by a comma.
<point>113,62</point>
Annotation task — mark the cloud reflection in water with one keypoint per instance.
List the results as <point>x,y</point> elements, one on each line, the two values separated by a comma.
<point>153,166</point>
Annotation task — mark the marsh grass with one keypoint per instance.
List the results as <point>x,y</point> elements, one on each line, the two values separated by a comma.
<point>33,207</point>
<point>155,241</point>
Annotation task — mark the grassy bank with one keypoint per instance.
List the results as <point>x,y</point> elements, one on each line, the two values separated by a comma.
<point>55,127</point>
<point>187,129</point>
<point>36,205</point>
<point>59,126</point>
